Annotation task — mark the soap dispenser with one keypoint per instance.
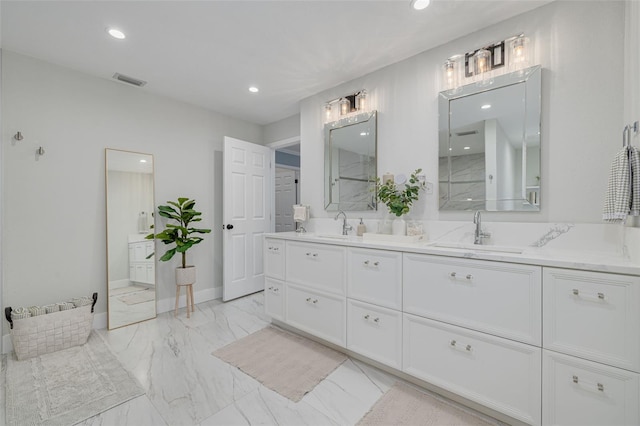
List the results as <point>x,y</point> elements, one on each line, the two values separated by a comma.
<point>362,228</point>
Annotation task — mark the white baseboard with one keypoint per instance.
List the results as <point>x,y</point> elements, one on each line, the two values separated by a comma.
<point>162,305</point>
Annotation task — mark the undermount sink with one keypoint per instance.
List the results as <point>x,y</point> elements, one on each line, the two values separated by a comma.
<point>333,236</point>
<point>477,247</point>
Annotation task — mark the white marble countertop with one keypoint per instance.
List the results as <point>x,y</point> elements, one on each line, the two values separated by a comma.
<point>589,260</point>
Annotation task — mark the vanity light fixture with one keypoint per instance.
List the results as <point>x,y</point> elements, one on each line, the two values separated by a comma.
<point>420,4</point>
<point>345,106</point>
<point>327,112</point>
<point>116,33</point>
<point>451,73</point>
<point>518,53</point>
<point>361,101</point>
<point>254,89</point>
<point>482,65</point>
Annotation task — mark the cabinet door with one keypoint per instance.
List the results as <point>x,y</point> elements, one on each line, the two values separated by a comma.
<point>321,266</point>
<point>274,298</point>
<point>503,299</point>
<point>375,276</point>
<point>274,258</point>
<point>582,393</point>
<point>593,315</point>
<point>499,373</point>
<point>321,314</point>
<point>375,332</point>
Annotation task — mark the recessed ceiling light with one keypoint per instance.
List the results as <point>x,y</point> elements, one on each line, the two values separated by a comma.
<point>143,161</point>
<point>364,134</point>
<point>467,147</point>
<point>486,106</point>
<point>115,33</point>
<point>420,4</point>
<point>254,89</point>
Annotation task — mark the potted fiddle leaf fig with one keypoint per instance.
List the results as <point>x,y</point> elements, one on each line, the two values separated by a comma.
<point>180,236</point>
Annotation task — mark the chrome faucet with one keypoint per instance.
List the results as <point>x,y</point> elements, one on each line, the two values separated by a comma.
<point>479,234</point>
<point>345,226</point>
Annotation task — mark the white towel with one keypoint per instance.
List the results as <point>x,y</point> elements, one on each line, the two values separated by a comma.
<point>300,213</point>
<point>623,192</point>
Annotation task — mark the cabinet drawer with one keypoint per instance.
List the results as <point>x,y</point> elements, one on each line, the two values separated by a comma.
<point>375,276</point>
<point>499,373</point>
<point>274,258</point>
<point>317,265</point>
<point>274,298</point>
<point>321,314</point>
<point>580,392</point>
<point>593,315</point>
<point>499,298</point>
<point>375,332</point>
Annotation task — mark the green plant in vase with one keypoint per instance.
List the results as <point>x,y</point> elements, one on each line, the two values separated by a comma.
<point>399,197</point>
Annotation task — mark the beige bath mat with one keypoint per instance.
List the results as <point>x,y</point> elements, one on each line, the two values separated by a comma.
<point>139,297</point>
<point>404,405</point>
<point>284,362</point>
<point>124,290</point>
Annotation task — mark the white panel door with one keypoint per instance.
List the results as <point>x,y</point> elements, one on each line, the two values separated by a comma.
<point>246,214</point>
<point>285,199</point>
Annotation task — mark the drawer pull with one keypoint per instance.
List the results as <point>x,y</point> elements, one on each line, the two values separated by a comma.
<point>454,344</point>
<point>308,299</point>
<point>598,386</point>
<point>452,275</point>
<point>315,301</point>
<point>275,290</point>
<point>376,320</point>
<point>366,262</point>
<point>597,296</point>
<point>270,288</point>
<point>376,263</point>
<point>315,254</point>
<point>469,277</point>
<point>308,254</point>
<point>366,317</point>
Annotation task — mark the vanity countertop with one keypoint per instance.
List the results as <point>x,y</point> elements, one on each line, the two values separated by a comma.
<point>589,260</point>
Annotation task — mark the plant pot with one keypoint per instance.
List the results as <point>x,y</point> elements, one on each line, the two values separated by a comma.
<point>185,276</point>
<point>399,226</point>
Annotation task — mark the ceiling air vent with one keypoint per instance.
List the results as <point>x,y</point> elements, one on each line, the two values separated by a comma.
<point>130,80</point>
<point>469,133</point>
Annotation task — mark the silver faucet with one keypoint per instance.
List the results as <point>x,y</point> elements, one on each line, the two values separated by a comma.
<point>345,226</point>
<point>479,233</point>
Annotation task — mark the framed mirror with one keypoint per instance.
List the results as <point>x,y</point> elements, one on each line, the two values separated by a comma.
<point>350,163</point>
<point>130,204</point>
<point>489,144</point>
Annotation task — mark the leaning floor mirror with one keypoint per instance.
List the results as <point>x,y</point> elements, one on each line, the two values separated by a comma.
<point>130,204</point>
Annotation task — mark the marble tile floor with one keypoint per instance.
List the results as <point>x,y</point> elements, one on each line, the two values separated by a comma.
<point>186,385</point>
<point>122,314</point>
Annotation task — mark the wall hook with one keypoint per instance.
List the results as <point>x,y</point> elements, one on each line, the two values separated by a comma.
<point>40,151</point>
<point>18,136</point>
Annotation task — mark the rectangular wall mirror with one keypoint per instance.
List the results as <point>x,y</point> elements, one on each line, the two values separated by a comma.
<point>489,144</point>
<point>131,277</point>
<point>350,163</point>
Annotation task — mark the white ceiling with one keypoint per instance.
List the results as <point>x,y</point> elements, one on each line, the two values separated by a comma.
<point>208,53</point>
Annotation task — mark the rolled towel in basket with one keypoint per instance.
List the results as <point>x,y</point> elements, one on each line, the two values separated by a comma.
<point>20,313</point>
<point>51,308</point>
<point>37,310</point>
<point>81,301</point>
<point>65,306</point>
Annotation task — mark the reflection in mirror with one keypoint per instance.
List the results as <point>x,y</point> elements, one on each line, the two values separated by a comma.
<point>350,163</point>
<point>130,205</point>
<point>489,149</point>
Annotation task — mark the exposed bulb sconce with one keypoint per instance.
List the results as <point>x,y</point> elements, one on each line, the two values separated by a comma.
<point>18,136</point>
<point>482,65</point>
<point>345,106</point>
<point>451,73</point>
<point>327,112</point>
<point>519,52</point>
<point>361,101</point>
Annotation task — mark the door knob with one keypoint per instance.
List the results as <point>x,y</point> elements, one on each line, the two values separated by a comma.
<point>229,226</point>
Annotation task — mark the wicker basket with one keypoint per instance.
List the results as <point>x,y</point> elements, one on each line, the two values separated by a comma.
<point>52,332</point>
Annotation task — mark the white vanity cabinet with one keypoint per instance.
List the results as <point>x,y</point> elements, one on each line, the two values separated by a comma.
<point>592,348</point>
<point>541,344</point>
<point>499,373</point>
<point>503,299</point>
<point>141,269</point>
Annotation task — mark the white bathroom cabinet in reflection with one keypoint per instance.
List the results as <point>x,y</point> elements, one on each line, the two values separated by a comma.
<point>141,269</point>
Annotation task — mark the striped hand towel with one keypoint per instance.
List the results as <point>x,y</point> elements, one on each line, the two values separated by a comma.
<point>623,192</point>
